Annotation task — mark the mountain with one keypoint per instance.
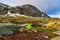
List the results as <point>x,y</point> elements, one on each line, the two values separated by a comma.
<point>3,9</point>
<point>27,10</point>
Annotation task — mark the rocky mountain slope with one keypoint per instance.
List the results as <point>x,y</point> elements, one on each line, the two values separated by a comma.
<point>3,9</point>
<point>27,10</point>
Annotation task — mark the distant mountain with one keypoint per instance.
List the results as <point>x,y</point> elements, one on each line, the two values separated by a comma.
<point>27,10</point>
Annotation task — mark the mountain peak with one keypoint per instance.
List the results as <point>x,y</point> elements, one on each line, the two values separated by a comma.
<point>28,10</point>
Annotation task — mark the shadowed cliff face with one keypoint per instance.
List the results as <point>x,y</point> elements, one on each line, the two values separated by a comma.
<point>27,10</point>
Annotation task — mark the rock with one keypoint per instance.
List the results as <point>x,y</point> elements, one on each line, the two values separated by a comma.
<point>8,29</point>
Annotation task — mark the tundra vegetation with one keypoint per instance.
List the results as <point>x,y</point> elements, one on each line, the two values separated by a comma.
<point>12,25</point>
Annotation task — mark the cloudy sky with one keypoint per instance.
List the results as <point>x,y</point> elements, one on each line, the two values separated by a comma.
<point>51,7</point>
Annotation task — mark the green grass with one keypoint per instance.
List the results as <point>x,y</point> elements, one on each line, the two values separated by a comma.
<point>51,35</point>
<point>47,30</point>
<point>44,29</point>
